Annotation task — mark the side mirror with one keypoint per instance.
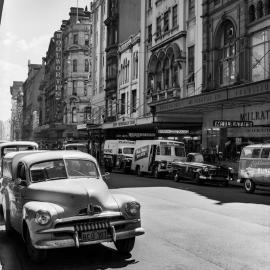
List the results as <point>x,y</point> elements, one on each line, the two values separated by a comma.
<point>20,182</point>
<point>106,176</point>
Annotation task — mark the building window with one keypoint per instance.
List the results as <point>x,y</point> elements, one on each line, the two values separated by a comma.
<point>166,73</point>
<point>86,65</point>
<point>259,9</point>
<point>158,30</point>
<point>174,73</point>
<point>149,31</point>
<point>74,88</point>
<point>85,87</point>
<point>166,22</point>
<point>133,101</point>
<point>251,13</point>
<point>74,115</point>
<point>87,114</point>
<point>227,54</point>
<point>191,9</point>
<point>149,4</point>
<point>260,56</point>
<point>159,76</point>
<point>136,65</point>
<point>75,39</point>
<point>86,40</point>
<point>191,64</point>
<point>74,65</point>
<point>174,16</point>
<point>123,103</point>
<point>267,6</point>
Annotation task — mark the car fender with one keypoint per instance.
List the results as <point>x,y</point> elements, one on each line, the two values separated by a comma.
<point>31,208</point>
<point>122,200</point>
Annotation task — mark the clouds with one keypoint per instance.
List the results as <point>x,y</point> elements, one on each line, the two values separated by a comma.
<point>37,45</point>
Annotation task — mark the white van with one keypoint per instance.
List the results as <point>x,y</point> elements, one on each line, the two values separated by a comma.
<point>254,166</point>
<point>118,155</point>
<point>156,156</point>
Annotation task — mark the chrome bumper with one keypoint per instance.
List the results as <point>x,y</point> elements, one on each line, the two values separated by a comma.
<point>72,240</point>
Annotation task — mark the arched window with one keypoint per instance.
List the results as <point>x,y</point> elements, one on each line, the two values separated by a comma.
<point>227,54</point>
<point>65,116</point>
<point>174,73</point>
<point>259,9</point>
<point>74,115</point>
<point>159,76</point>
<point>251,13</point>
<point>166,73</point>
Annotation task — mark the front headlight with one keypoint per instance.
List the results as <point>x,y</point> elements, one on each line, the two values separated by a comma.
<point>205,169</point>
<point>43,217</point>
<point>163,165</point>
<point>133,208</point>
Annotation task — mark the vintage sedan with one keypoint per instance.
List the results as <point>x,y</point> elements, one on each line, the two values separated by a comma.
<point>58,199</point>
<point>195,170</point>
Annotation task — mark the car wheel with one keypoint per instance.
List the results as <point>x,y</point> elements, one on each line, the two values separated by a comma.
<point>124,246</point>
<point>197,179</point>
<point>156,173</point>
<point>249,186</point>
<point>176,177</point>
<point>36,255</point>
<point>138,171</point>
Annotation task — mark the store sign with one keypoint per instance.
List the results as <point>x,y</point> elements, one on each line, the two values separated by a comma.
<point>58,64</point>
<point>252,132</point>
<point>173,132</point>
<point>125,123</point>
<point>141,134</point>
<point>232,123</point>
<point>82,126</point>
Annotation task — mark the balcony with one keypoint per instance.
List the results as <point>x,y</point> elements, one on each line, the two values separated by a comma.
<point>164,95</point>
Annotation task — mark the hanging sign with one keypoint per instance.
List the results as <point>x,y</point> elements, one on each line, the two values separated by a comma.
<point>232,123</point>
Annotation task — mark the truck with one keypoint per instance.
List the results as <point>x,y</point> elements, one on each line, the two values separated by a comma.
<point>118,155</point>
<point>155,157</point>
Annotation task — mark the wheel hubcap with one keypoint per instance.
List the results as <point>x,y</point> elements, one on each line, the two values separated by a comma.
<point>248,184</point>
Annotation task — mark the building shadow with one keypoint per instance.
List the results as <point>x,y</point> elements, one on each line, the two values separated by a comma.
<point>232,194</point>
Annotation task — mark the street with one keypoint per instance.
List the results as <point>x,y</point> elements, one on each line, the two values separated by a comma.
<point>187,227</point>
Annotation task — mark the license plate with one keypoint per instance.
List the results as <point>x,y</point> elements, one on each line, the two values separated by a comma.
<point>94,235</point>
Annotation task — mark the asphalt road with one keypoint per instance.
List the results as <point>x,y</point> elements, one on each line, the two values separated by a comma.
<point>187,227</point>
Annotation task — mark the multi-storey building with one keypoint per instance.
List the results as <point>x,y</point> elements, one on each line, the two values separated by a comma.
<point>65,91</point>
<point>77,61</point>
<point>30,100</point>
<point>121,24</point>
<point>16,91</point>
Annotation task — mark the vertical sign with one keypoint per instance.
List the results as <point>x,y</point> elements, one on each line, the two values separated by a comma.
<point>58,64</point>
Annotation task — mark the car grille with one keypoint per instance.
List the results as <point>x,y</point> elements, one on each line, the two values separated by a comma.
<point>219,173</point>
<point>91,226</point>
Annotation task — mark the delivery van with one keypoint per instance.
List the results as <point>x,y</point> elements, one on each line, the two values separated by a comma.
<point>155,157</point>
<point>254,166</point>
<point>118,155</point>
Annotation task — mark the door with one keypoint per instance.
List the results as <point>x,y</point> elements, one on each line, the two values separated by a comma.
<point>18,192</point>
<point>152,157</point>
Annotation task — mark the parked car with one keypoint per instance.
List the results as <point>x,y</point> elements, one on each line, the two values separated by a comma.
<point>76,146</point>
<point>254,167</point>
<point>16,146</point>
<point>118,155</point>
<point>58,199</point>
<point>155,157</point>
<point>194,169</point>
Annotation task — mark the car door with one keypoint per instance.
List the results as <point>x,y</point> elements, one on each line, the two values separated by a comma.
<point>18,192</point>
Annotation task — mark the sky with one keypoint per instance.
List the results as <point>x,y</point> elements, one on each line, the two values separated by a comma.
<point>25,31</point>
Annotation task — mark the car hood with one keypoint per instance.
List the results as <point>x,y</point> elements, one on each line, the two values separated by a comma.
<point>74,195</point>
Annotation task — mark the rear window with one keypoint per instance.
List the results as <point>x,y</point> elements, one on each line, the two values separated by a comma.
<point>266,153</point>
<point>251,153</point>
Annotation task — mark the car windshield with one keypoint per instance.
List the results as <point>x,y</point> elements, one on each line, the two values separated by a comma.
<point>60,169</point>
<point>128,150</point>
<point>250,152</point>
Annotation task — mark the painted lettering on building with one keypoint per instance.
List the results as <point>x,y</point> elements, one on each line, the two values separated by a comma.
<point>58,64</point>
<point>255,115</point>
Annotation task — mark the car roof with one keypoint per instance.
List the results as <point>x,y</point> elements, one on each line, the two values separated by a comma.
<point>258,145</point>
<point>53,155</point>
<point>18,143</point>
